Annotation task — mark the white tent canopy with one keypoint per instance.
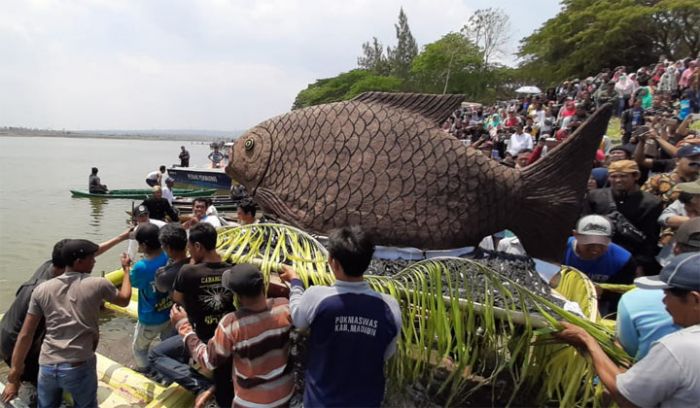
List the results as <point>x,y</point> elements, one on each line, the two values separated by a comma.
<point>531,89</point>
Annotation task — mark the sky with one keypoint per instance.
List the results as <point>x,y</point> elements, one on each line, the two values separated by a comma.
<point>200,64</point>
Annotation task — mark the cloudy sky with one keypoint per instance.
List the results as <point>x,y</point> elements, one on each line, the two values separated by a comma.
<point>199,64</point>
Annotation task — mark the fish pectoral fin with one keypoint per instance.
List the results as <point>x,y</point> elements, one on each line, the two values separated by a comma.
<point>273,203</point>
<point>434,107</point>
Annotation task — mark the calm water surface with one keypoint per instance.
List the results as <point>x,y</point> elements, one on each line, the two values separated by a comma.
<point>36,208</point>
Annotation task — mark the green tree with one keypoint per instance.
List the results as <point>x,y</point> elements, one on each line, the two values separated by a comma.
<point>588,35</point>
<point>345,86</point>
<point>373,58</point>
<point>375,83</point>
<point>445,65</point>
<point>675,28</point>
<point>406,49</point>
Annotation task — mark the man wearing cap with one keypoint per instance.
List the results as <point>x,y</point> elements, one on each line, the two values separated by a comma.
<point>142,216</point>
<point>14,317</point>
<point>70,305</point>
<point>634,214</point>
<point>621,152</point>
<point>669,375</point>
<point>641,317</point>
<point>154,306</point>
<point>353,328</point>
<point>591,251</point>
<point>687,170</point>
<point>158,207</point>
<point>256,336</point>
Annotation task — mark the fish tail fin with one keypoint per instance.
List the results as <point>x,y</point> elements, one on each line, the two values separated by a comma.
<point>554,187</point>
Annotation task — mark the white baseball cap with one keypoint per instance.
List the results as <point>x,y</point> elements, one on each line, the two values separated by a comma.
<point>593,229</point>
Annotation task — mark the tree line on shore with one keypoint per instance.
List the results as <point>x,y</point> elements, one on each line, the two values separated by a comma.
<point>582,39</point>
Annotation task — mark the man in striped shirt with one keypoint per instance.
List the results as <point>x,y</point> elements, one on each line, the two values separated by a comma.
<point>257,335</point>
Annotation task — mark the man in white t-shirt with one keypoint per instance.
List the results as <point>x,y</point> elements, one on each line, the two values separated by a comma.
<point>519,141</point>
<point>142,216</point>
<point>669,375</point>
<point>155,178</point>
<point>200,213</point>
<point>168,190</point>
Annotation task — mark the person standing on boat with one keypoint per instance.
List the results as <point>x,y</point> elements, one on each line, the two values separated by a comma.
<point>256,336</point>
<point>70,306</point>
<point>216,158</point>
<point>14,317</point>
<point>155,178</point>
<point>353,328</point>
<point>154,306</point>
<point>159,207</point>
<point>94,184</point>
<point>184,157</point>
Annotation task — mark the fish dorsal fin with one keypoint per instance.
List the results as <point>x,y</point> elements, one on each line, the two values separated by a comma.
<point>434,107</point>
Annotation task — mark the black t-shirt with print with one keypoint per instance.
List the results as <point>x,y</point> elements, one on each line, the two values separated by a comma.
<point>206,301</point>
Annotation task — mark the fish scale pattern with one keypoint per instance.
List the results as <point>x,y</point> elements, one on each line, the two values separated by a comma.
<point>377,163</point>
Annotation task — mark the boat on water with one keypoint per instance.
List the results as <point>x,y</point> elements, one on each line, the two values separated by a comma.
<point>211,176</point>
<point>144,193</point>
<point>201,177</point>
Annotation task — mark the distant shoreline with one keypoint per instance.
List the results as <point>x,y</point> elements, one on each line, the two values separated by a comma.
<point>130,136</point>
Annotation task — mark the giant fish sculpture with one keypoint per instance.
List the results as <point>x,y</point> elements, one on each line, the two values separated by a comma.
<point>382,162</point>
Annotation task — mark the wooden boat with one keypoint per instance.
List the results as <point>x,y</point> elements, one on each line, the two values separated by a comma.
<point>201,177</point>
<point>140,194</point>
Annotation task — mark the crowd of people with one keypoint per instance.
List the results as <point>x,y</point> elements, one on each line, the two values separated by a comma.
<point>662,97</point>
<point>645,183</point>
<point>186,311</point>
<point>640,223</point>
<point>640,220</point>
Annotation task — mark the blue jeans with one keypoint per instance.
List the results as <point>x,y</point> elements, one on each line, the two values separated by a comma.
<point>80,381</point>
<point>171,358</point>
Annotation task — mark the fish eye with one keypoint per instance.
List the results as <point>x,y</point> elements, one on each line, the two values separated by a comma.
<point>249,144</point>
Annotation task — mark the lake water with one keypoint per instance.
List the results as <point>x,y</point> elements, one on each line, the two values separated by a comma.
<point>36,207</point>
